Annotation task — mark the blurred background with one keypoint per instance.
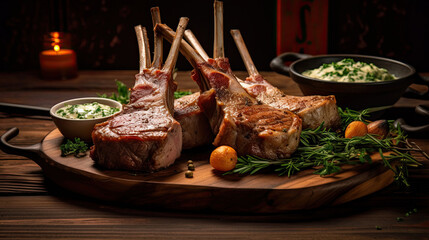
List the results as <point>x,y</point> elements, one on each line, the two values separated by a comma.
<point>103,37</point>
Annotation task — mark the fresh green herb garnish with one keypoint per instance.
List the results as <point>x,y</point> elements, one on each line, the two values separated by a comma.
<point>407,214</point>
<point>86,111</point>
<point>348,115</point>
<point>411,212</point>
<point>123,95</point>
<point>78,148</point>
<point>327,151</point>
<point>179,94</point>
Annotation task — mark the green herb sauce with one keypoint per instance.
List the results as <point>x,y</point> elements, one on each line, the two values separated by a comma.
<point>347,70</point>
<point>86,111</point>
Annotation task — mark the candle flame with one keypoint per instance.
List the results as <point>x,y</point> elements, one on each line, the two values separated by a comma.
<point>55,41</point>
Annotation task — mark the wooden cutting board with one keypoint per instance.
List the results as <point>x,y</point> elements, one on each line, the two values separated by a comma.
<point>208,189</point>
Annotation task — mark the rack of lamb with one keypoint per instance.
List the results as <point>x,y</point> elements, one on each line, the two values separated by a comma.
<point>237,119</point>
<point>144,136</point>
<point>313,110</point>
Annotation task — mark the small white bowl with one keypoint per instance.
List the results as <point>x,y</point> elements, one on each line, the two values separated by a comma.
<point>80,128</point>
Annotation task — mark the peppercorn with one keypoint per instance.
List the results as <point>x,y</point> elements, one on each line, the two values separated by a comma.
<point>189,174</point>
<point>191,167</point>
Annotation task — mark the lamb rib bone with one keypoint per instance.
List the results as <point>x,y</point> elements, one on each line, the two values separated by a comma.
<point>144,136</point>
<point>144,50</point>
<point>158,42</point>
<point>196,130</point>
<point>190,37</point>
<point>218,46</point>
<point>236,118</point>
<point>314,110</point>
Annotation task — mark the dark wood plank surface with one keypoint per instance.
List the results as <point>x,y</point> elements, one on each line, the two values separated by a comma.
<point>32,206</point>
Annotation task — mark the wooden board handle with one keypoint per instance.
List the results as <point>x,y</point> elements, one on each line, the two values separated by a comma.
<point>33,152</point>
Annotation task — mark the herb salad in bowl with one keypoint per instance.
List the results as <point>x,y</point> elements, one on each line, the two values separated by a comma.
<point>357,81</point>
<point>75,118</point>
<point>347,70</point>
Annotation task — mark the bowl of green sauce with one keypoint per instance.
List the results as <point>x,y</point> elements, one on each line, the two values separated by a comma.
<point>75,118</point>
<point>357,81</point>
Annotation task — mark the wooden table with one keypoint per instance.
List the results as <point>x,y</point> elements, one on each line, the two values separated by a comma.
<point>32,206</point>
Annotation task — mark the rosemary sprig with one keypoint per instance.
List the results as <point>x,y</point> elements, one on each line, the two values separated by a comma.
<point>348,115</point>
<point>328,151</point>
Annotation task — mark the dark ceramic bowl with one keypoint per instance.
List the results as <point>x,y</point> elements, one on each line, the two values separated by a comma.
<point>348,94</point>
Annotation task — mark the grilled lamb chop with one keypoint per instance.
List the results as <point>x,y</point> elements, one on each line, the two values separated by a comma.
<point>196,130</point>
<point>236,118</point>
<point>313,110</point>
<point>144,136</point>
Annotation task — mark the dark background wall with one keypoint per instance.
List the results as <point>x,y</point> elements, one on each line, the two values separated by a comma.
<point>397,29</point>
<point>103,34</point>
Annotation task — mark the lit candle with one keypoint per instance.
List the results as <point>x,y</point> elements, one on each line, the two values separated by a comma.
<point>57,63</point>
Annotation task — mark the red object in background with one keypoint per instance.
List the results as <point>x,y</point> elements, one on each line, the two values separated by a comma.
<point>302,26</point>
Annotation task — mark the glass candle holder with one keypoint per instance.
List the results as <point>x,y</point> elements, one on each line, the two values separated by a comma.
<point>57,60</point>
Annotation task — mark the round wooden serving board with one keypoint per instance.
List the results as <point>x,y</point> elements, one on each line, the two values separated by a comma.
<point>209,189</point>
